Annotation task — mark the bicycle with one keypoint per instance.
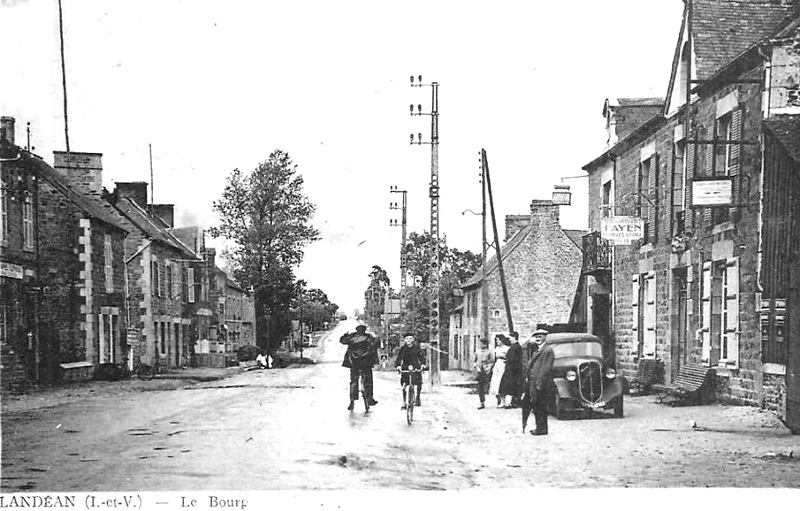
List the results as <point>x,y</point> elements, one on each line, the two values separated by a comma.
<point>408,392</point>
<point>146,372</point>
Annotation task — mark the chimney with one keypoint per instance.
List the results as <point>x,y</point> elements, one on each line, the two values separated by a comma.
<point>514,223</point>
<point>136,191</point>
<point>7,125</point>
<point>211,257</point>
<point>544,215</point>
<point>165,212</point>
<point>83,170</point>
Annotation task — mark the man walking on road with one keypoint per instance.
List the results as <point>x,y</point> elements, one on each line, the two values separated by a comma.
<point>540,381</point>
<point>361,355</point>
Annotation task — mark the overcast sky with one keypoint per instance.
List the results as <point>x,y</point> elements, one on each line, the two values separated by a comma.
<point>215,86</point>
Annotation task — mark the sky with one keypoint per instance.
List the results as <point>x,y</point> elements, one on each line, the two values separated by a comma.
<point>214,86</point>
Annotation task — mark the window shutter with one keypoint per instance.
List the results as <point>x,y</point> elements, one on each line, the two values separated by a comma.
<point>731,328</point>
<point>649,348</point>
<point>652,216</point>
<point>736,137</point>
<point>705,308</point>
<point>709,171</point>
<point>689,154</point>
<point>635,304</point>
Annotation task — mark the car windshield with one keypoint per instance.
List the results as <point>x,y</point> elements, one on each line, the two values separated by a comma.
<point>578,349</point>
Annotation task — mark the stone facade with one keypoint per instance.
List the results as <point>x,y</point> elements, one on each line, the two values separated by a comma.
<point>542,266</point>
<point>691,290</point>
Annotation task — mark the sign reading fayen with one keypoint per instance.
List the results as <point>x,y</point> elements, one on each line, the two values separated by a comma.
<point>622,230</point>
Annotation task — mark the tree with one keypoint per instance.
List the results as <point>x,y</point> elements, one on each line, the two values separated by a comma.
<point>375,295</point>
<point>455,268</point>
<point>267,217</point>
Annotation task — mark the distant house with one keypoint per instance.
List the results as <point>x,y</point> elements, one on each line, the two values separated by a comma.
<point>542,267</point>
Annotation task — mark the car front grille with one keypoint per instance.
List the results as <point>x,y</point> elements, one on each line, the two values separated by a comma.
<point>590,381</point>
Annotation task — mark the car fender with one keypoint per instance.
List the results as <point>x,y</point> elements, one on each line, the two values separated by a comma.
<point>562,388</point>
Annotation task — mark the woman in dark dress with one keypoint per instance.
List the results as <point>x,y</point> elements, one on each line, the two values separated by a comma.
<point>513,378</point>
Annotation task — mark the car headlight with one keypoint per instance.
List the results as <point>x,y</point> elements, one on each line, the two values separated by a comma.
<point>571,375</point>
<point>611,373</point>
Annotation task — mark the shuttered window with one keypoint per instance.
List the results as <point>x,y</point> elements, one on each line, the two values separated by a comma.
<point>190,283</point>
<point>729,349</point>
<point>108,256</point>
<point>705,312</point>
<point>649,295</point>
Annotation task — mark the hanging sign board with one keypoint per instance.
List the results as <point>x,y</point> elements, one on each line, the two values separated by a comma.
<point>712,192</point>
<point>622,230</point>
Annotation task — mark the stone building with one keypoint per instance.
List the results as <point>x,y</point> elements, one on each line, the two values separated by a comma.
<point>63,290</point>
<point>714,179</point>
<point>165,282</point>
<point>542,267</point>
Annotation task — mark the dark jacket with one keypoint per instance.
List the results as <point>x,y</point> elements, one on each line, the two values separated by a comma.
<point>410,356</point>
<point>362,350</point>
<point>540,373</point>
<point>513,381</point>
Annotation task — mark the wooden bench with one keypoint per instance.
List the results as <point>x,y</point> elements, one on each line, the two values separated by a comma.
<point>648,373</point>
<point>692,385</point>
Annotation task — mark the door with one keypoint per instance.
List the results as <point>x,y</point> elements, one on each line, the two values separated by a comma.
<point>601,321</point>
<point>793,351</point>
<point>176,339</point>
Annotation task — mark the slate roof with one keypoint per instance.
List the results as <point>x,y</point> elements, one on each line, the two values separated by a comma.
<point>92,205</point>
<point>512,244</point>
<point>724,29</point>
<point>640,102</point>
<point>786,129</point>
<point>152,227</point>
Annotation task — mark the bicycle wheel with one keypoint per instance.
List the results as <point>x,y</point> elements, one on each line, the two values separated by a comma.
<point>146,372</point>
<point>410,405</point>
<point>364,393</point>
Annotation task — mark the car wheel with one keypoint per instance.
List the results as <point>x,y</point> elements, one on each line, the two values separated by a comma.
<point>618,409</point>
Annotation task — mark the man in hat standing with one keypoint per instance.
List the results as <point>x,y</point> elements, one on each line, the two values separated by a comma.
<point>361,355</point>
<point>540,380</point>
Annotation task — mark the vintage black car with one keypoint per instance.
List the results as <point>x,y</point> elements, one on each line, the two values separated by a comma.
<point>583,380</point>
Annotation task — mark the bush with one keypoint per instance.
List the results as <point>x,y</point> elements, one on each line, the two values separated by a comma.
<point>247,352</point>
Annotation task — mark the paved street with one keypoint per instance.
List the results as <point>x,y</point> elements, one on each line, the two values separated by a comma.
<point>289,429</point>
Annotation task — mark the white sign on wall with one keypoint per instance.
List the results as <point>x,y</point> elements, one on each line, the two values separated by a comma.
<point>622,230</point>
<point>712,192</point>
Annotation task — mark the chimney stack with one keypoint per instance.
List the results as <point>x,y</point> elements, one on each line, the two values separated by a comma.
<point>83,170</point>
<point>514,223</point>
<point>7,124</point>
<point>136,191</point>
<point>165,212</point>
<point>544,215</point>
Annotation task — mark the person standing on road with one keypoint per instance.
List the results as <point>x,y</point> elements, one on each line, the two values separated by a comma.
<point>361,355</point>
<point>500,349</point>
<point>540,381</point>
<point>483,363</point>
<point>410,356</point>
<point>512,383</point>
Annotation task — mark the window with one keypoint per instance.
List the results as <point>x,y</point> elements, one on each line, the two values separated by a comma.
<point>190,284</point>
<point>496,313</point>
<point>27,222</point>
<point>168,287</point>
<point>154,278</point>
<point>184,285</point>
<point>605,206</point>
<point>176,285</point>
<point>3,213</point>
<point>647,197</point>
<point>108,257</point>
<point>773,331</point>
<point>163,343</point>
<point>678,216</point>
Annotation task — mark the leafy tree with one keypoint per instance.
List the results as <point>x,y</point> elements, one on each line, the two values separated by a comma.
<point>375,295</point>
<point>456,267</point>
<point>267,217</point>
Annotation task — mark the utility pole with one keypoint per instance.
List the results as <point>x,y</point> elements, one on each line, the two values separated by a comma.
<point>484,246</point>
<point>485,166</point>
<point>434,308</point>
<point>403,268</point>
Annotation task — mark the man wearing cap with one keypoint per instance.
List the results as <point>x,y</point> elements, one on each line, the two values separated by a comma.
<point>410,357</point>
<point>361,355</point>
<point>540,380</point>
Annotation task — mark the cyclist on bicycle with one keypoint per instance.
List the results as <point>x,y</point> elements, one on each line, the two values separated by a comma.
<point>410,355</point>
<point>361,355</point>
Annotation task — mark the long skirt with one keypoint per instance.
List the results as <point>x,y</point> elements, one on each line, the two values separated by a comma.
<point>497,375</point>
